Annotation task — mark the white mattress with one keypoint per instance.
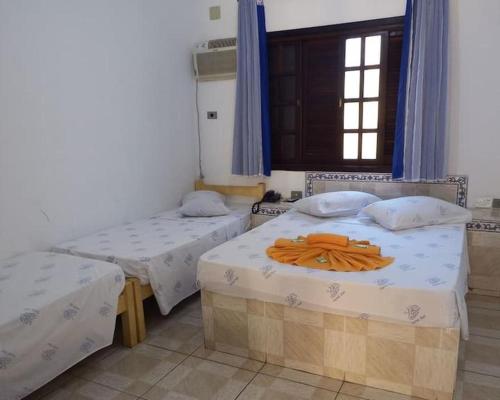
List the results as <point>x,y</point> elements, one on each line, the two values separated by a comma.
<point>424,286</point>
<point>55,310</point>
<point>162,250</point>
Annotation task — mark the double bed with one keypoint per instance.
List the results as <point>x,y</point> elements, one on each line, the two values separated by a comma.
<point>55,310</point>
<point>396,328</point>
<point>424,286</point>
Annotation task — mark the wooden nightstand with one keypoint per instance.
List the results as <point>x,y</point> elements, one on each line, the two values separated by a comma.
<point>269,211</point>
<point>484,251</point>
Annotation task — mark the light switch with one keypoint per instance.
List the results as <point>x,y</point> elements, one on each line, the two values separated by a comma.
<point>214,13</point>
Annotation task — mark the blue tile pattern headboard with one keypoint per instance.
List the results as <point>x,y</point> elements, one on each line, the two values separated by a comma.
<point>452,189</point>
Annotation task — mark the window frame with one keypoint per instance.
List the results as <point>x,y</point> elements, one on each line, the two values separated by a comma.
<point>384,27</point>
<point>381,99</point>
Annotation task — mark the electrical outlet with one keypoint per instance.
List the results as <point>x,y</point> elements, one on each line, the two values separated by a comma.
<point>212,115</point>
<point>484,202</point>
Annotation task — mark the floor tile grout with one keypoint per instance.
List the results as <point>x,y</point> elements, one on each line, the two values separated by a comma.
<point>340,390</point>
<point>489,337</point>
<point>164,376</point>
<point>479,373</point>
<point>73,376</point>
<point>302,383</point>
<point>153,385</point>
<point>244,388</point>
<point>228,365</point>
<point>166,348</point>
<point>259,371</point>
<point>262,366</point>
<point>90,381</point>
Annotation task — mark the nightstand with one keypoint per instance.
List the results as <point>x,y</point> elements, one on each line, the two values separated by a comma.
<point>269,211</point>
<point>484,251</point>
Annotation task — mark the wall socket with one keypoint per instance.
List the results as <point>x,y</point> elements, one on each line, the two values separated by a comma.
<point>212,115</point>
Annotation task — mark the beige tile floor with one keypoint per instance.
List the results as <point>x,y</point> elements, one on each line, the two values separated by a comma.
<point>172,364</point>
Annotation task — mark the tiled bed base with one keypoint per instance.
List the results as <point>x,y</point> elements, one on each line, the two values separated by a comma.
<point>402,358</point>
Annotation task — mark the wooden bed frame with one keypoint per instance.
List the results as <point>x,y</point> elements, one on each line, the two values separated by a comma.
<point>256,191</point>
<point>127,310</point>
<point>143,292</point>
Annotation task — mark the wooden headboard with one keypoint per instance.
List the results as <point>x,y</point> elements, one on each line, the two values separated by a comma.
<point>452,189</point>
<point>256,191</point>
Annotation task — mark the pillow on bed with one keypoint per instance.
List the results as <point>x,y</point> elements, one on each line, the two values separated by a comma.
<point>203,203</point>
<point>415,211</point>
<point>335,204</point>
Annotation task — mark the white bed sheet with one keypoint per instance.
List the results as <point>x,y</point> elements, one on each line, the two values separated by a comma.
<point>425,285</point>
<point>55,310</point>
<point>162,250</point>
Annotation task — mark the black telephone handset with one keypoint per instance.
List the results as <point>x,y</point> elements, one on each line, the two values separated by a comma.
<point>270,196</point>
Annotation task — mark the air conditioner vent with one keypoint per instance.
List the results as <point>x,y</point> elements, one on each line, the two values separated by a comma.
<point>218,43</point>
<point>215,60</point>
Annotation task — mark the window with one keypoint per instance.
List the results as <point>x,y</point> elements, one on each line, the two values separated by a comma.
<point>333,96</point>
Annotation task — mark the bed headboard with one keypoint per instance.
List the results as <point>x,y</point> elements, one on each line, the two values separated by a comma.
<point>453,189</point>
<point>256,191</point>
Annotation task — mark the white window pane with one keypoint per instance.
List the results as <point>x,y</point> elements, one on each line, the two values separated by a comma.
<point>370,115</point>
<point>351,84</point>
<point>353,52</point>
<point>372,50</point>
<point>369,146</point>
<point>351,115</point>
<point>371,83</point>
<point>350,146</point>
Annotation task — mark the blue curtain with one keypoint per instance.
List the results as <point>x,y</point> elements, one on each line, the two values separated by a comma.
<point>420,141</point>
<point>264,89</point>
<point>398,155</point>
<point>251,144</point>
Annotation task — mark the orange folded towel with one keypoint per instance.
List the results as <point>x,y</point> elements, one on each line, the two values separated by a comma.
<point>329,252</point>
<point>329,238</point>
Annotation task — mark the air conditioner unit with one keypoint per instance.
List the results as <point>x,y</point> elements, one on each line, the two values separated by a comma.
<point>215,60</point>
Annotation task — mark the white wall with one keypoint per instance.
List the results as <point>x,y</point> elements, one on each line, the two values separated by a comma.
<point>475,95</point>
<point>474,84</point>
<point>96,115</point>
<point>96,106</point>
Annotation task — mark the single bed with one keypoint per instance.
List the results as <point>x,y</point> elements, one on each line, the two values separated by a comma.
<point>161,253</point>
<point>397,328</point>
<point>55,310</point>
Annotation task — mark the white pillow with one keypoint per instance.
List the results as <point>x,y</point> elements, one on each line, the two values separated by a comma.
<point>414,211</point>
<point>335,204</point>
<point>203,203</point>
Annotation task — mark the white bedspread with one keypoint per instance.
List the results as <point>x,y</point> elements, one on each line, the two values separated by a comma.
<point>55,310</point>
<point>425,285</point>
<point>162,250</point>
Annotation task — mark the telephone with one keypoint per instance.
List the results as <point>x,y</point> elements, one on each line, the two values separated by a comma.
<point>270,196</point>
